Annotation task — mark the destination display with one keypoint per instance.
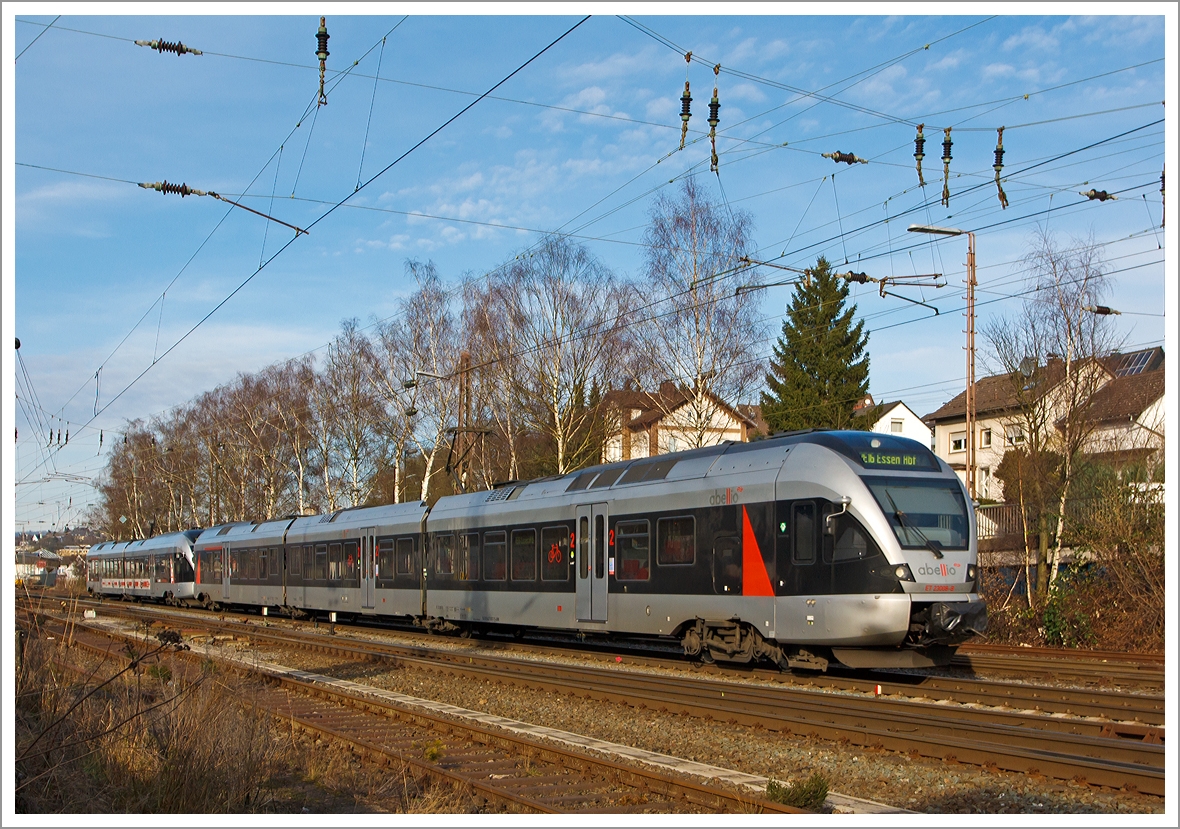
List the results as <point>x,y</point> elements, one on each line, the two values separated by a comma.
<point>899,460</point>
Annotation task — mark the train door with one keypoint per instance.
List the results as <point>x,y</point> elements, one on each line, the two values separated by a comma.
<point>593,575</point>
<point>225,558</point>
<point>368,574</point>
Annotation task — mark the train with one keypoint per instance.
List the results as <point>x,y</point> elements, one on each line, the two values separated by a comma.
<point>798,550</point>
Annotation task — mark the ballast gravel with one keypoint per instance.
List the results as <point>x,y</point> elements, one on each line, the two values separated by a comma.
<point>920,785</point>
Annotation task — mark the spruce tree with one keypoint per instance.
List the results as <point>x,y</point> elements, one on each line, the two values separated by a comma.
<point>819,369</point>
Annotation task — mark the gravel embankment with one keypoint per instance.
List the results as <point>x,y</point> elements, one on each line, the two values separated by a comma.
<point>918,784</point>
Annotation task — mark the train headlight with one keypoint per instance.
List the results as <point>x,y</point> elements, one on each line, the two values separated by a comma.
<point>902,571</point>
<point>970,572</point>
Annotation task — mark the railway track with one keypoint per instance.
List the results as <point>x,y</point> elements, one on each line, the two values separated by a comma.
<point>1135,713</point>
<point>507,770</point>
<point>1107,753</point>
<point>1105,668</point>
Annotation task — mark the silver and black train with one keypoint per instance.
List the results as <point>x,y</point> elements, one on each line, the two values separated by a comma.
<point>797,549</point>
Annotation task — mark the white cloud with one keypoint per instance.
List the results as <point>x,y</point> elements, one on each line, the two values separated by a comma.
<point>1032,38</point>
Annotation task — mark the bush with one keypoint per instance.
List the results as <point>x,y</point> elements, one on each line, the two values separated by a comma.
<point>809,795</point>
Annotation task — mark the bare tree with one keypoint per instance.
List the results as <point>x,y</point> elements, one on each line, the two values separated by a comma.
<point>1051,355</point>
<point>564,313</point>
<point>700,326</point>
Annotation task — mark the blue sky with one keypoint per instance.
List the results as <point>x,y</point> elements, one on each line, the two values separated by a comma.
<point>570,143</point>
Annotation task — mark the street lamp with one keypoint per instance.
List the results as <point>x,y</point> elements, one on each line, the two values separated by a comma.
<point>954,231</point>
<point>413,381</point>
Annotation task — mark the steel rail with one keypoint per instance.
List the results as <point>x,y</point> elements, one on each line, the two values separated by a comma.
<point>555,780</point>
<point>1012,741</point>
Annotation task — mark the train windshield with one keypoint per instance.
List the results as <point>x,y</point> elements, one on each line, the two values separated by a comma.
<point>930,514</point>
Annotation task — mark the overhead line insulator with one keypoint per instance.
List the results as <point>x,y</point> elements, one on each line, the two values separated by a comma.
<point>685,102</point>
<point>847,158</point>
<point>998,166</point>
<point>184,190</point>
<point>163,46</point>
<point>714,120</point>
<point>322,53</point>
<point>946,167</point>
<point>920,153</point>
<point>1098,195</point>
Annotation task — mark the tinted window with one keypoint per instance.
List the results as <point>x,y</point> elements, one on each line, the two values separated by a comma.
<point>352,560</point>
<point>444,554</point>
<point>584,547</point>
<point>803,540</point>
<point>555,553</point>
<point>467,562</point>
<point>676,540</point>
<point>524,555</point>
<point>405,556</point>
<point>385,566</point>
<point>632,551</point>
<point>495,556</point>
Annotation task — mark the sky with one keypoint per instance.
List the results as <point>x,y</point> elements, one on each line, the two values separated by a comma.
<point>128,302</point>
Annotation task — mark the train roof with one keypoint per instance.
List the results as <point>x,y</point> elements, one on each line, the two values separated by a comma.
<point>863,448</point>
<point>301,527</point>
<point>168,541</point>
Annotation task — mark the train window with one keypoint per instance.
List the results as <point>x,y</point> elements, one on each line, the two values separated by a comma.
<point>495,556</point>
<point>555,553</point>
<point>405,556</point>
<point>182,570</point>
<point>635,473</point>
<point>308,562</point>
<point>352,562</point>
<point>385,566</point>
<point>599,544</point>
<point>467,562</point>
<point>262,564</point>
<point>335,562</point>
<point>321,561</point>
<point>524,555</point>
<point>275,555</point>
<point>444,554</point>
<point>295,560</point>
<point>584,547</point>
<point>607,477</point>
<point>676,540</point>
<point>851,542</point>
<point>582,481</point>
<point>803,542</point>
<point>163,568</point>
<point>632,551</point>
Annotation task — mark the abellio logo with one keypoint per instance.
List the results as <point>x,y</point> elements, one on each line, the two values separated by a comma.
<point>943,570</point>
<point>729,495</point>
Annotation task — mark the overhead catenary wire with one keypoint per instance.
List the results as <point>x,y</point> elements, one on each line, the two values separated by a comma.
<point>331,210</point>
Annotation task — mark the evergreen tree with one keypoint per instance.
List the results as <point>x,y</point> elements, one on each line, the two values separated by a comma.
<point>819,369</point>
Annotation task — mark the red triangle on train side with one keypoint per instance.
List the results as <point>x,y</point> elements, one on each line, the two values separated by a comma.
<point>755,581</point>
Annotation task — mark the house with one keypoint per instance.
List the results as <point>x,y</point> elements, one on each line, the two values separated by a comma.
<point>641,424</point>
<point>895,418</point>
<point>37,568</point>
<point>1127,417</point>
<point>999,427</point>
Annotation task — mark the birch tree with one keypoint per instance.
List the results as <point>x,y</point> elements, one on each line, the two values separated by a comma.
<point>700,326</point>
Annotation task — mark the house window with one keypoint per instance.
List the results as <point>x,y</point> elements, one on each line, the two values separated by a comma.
<point>958,441</point>
<point>1014,435</point>
<point>895,425</point>
<point>985,438</point>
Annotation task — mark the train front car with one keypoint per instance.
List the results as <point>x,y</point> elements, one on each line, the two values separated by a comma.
<point>876,551</point>
<point>158,568</point>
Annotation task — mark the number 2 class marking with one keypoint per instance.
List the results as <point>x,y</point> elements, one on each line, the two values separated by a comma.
<point>612,538</point>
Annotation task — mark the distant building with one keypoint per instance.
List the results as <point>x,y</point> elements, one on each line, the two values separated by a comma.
<point>895,418</point>
<point>642,424</point>
<point>37,568</point>
<point>1125,414</point>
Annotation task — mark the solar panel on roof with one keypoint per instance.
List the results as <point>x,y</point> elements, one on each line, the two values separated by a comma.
<point>1133,363</point>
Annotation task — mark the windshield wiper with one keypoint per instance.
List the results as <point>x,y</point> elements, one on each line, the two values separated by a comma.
<point>932,546</point>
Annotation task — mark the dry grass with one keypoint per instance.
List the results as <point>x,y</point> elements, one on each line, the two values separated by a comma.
<point>168,739</point>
